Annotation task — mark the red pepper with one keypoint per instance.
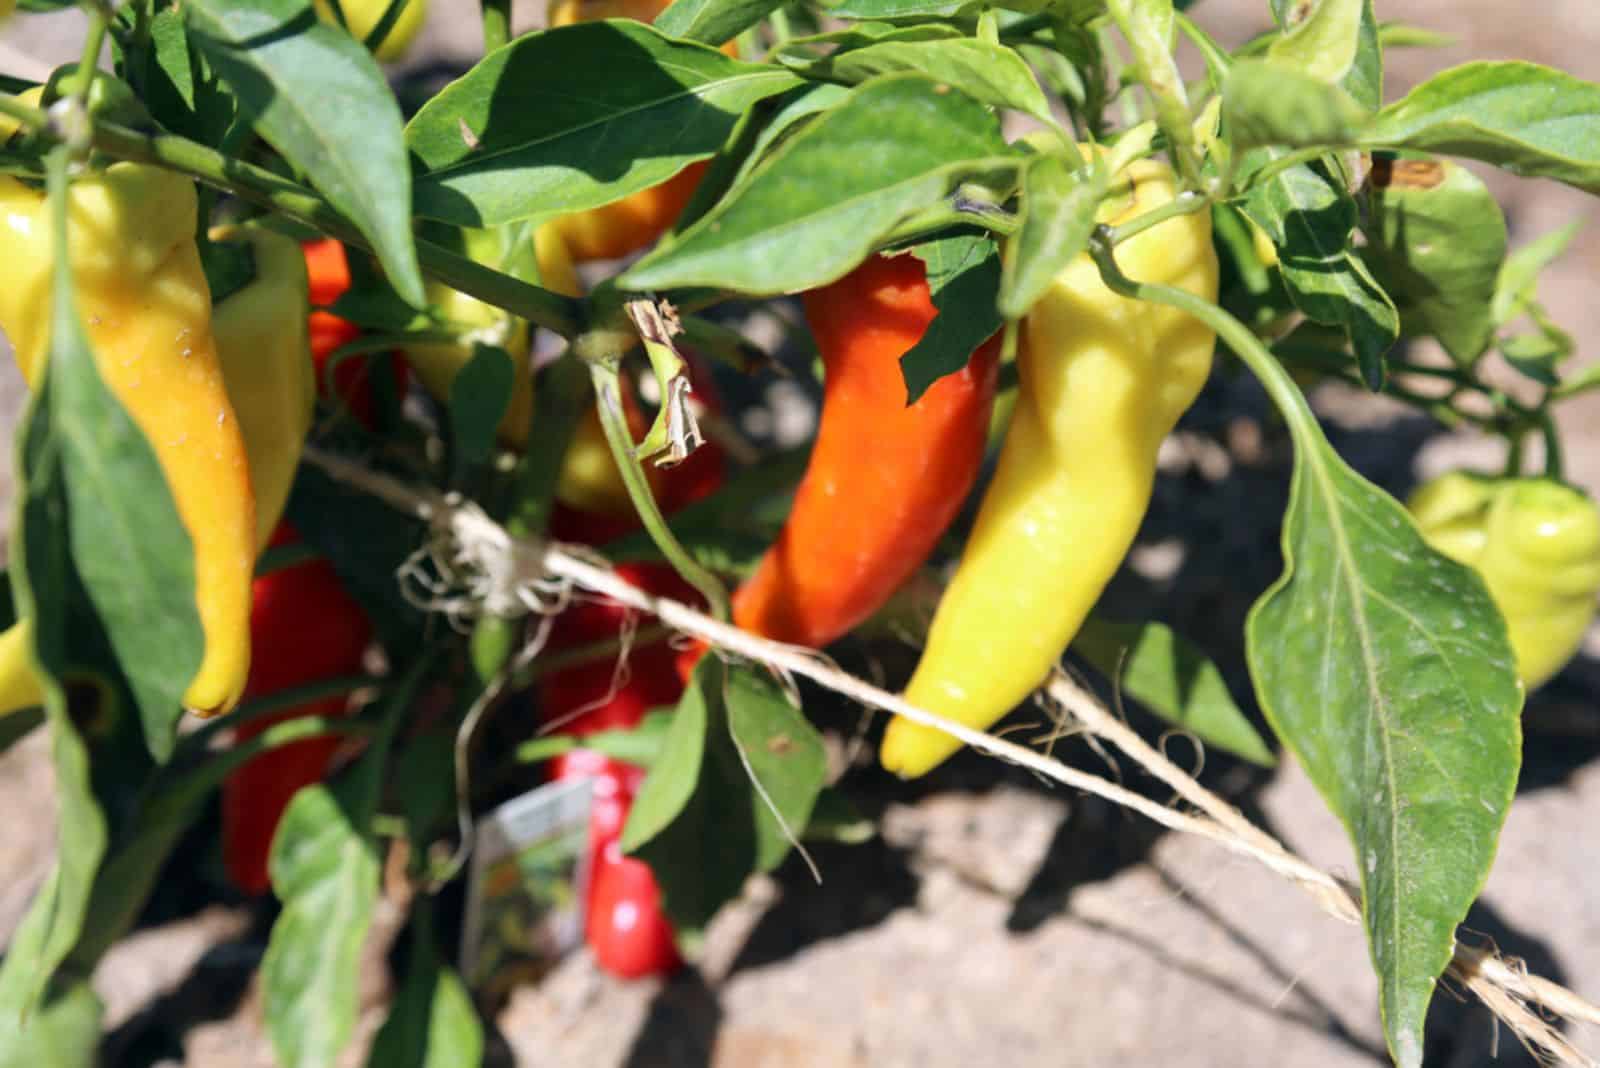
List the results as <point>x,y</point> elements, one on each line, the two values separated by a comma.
<point>629,933</point>
<point>304,628</point>
<point>884,479</point>
<point>626,928</point>
<point>328,270</point>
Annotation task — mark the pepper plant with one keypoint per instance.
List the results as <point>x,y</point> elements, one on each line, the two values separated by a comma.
<point>1017,229</point>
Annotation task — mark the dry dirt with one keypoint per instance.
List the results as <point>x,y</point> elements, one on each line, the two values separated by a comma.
<point>995,921</point>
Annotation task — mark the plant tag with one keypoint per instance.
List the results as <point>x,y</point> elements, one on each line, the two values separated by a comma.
<point>525,890</point>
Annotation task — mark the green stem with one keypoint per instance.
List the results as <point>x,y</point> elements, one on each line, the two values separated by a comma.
<point>782,29</point>
<point>192,785</point>
<point>295,696</point>
<point>1186,203</point>
<point>88,66</point>
<point>1158,72</point>
<point>1269,171</point>
<point>33,118</point>
<point>496,23</point>
<point>558,406</point>
<point>608,399</point>
<point>1513,466</point>
<point>1554,458</point>
<point>1235,334</point>
<point>606,648</point>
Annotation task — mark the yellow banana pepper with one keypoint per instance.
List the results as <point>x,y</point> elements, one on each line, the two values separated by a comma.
<point>1103,380</point>
<point>146,309</point>
<point>264,345</point>
<point>362,15</point>
<point>1536,542</point>
<point>437,363</point>
<point>19,686</point>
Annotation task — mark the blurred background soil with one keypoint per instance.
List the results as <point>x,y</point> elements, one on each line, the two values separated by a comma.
<point>996,920</point>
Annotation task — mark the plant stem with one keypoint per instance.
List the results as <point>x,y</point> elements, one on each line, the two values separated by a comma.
<point>1269,171</point>
<point>1237,336</point>
<point>93,41</point>
<point>558,408</point>
<point>609,402</point>
<point>1186,203</point>
<point>496,23</point>
<point>293,697</point>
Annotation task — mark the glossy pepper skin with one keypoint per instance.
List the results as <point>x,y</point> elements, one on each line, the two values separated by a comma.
<point>265,351</point>
<point>362,15</point>
<point>437,364</point>
<point>306,628</point>
<point>624,226</point>
<point>144,303</point>
<point>1103,380</point>
<point>19,685</point>
<point>884,479</point>
<point>627,931</point>
<point>1536,542</point>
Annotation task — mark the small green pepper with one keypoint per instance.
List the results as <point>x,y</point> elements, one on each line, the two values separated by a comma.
<point>1536,542</point>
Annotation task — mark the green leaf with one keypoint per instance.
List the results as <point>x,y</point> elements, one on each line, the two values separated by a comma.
<point>479,395</point>
<point>318,97</point>
<point>1517,284</point>
<point>799,106</point>
<point>990,73</point>
<point>1364,81</point>
<point>662,105</point>
<point>1265,103</point>
<point>1436,240</point>
<point>107,501</point>
<point>325,869</point>
<point>432,1023</point>
<point>834,818</point>
<point>783,755</point>
<point>803,51</point>
<point>1521,117</point>
<point>963,274</point>
<point>670,786</point>
<point>833,191</point>
<point>1323,44</point>
<point>42,559</point>
<point>733,788</point>
<point>1404,35</point>
<point>63,1032</point>
<point>713,21</point>
<point>170,51</point>
<point>1385,667</point>
<point>1058,213</point>
<point>1175,680</point>
<point>641,745</point>
<point>889,10</point>
<point>1310,221</point>
<point>1536,355</point>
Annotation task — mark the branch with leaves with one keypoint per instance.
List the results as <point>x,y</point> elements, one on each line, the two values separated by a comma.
<point>477,549</point>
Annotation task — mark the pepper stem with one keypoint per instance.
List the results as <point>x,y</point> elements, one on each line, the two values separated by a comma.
<point>608,401</point>
<point>675,431</point>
